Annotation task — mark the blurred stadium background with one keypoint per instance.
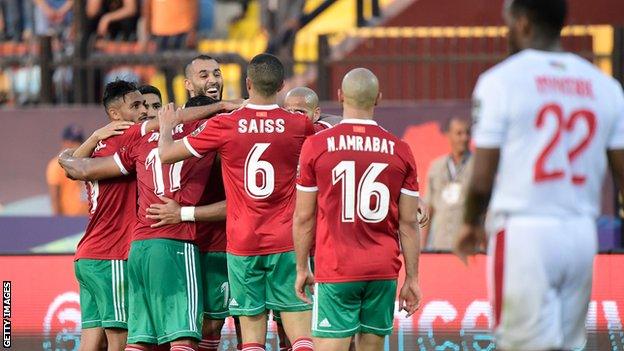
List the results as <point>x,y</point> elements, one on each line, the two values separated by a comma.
<point>427,54</point>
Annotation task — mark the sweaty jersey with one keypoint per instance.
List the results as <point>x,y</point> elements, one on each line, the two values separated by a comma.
<point>183,181</point>
<point>553,116</point>
<point>112,207</point>
<point>359,171</point>
<point>259,147</point>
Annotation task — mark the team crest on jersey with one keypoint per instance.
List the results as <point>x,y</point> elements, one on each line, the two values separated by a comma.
<point>199,129</point>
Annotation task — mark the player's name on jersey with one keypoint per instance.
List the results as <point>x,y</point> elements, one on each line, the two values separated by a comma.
<point>261,125</point>
<point>360,143</point>
<point>177,130</point>
<point>565,85</point>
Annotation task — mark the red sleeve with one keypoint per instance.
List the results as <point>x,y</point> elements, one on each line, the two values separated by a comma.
<point>206,138</point>
<point>410,182</point>
<point>125,157</point>
<point>306,176</point>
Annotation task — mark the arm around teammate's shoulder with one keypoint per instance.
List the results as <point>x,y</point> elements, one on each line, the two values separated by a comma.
<point>90,168</point>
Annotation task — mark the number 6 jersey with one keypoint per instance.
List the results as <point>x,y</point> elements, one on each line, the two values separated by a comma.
<point>553,115</point>
<point>358,170</point>
<point>182,181</point>
<point>259,147</point>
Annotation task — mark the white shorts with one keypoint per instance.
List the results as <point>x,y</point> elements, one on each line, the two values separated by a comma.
<point>539,280</point>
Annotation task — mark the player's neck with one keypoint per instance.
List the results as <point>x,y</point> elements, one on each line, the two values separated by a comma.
<point>544,44</point>
<point>354,113</point>
<point>261,100</point>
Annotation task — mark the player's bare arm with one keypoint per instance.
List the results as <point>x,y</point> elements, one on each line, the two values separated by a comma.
<point>410,295</point>
<point>170,151</point>
<point>424,213</point>
<point>616,163</point>
<point>471,237</point>
<point>304,221</point>
<point>109,130</point>
<point>88,168</point>
<point>170,212</point>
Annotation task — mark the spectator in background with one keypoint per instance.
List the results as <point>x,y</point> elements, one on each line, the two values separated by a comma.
<point>68,197</point>
<point>281,20</point>
<point>52,17</point>
<point>114,18</point>
<point>172,23</point>
<point>446,184</point>
<point>16,19</point>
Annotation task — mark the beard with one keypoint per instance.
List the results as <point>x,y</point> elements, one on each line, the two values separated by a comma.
<point>203,90</point>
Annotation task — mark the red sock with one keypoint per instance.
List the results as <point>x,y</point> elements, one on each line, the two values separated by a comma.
<point>303,344</point>
<point>239,347</point>
<point>210,343</point>
<point>252,346</point>
<point>135,347</point>
<point>182,348</point>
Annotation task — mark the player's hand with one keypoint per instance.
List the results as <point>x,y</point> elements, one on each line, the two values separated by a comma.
<point>470,241</point>
<point>166,213</point>
<point>410,296</point>
<point>231,105</point>
<point>168,116</point>
<point>111,129</point>
<point>304,278</point>
<point>424,213</point>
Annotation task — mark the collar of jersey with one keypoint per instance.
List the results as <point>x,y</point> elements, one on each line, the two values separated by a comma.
<point>359,121</point>
<point>262,107</point>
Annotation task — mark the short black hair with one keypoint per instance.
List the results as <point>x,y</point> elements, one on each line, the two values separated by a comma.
<point>200,100</point>
<point>117,90</point>
<point>150,89</point>
<point>548,16</point>
<point>201,57</point>
<point>266,73</point>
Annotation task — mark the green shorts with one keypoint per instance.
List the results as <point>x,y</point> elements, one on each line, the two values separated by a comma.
<point>165,294</point>
<point>344,309</point>
<point>215,283</point>
<point>276,315</point>
<point>103,293</point>
<point>259,283</point>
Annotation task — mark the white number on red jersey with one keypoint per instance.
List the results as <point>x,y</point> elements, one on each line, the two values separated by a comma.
<point>563,126</point>
<point>367,188</point>
<point>254,167</point>
<point>175,173</point>
<point>94,193</point>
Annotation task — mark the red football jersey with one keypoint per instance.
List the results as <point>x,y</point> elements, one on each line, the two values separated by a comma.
<point>183,181</point>
<point>359,171</point>
<point>211,235</point>
<point>259,148</point>
<point>112,207</point>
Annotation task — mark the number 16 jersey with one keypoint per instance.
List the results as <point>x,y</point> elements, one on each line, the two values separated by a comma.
<point>359,171</point>
<point>259,147</point>
<point>553,116</point>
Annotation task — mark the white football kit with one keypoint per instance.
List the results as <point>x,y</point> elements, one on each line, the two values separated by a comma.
<point>553,116</point>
